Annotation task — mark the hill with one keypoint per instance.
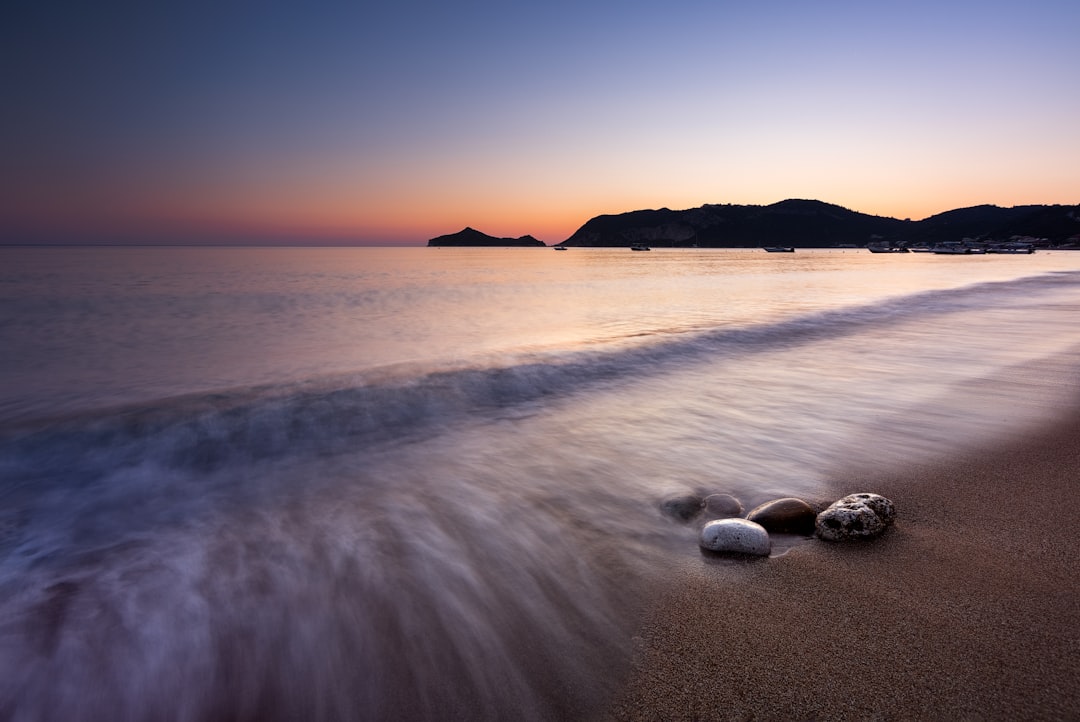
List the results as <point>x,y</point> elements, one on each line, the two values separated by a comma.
<point>811,223</point>
<point>1057,224</point>
<point>473,237</point>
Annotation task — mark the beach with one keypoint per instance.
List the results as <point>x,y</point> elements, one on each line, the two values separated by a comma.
<point>384,484</point>
<point>967,608</point>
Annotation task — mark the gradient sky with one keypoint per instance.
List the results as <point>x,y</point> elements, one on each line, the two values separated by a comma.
<point>343,122</point>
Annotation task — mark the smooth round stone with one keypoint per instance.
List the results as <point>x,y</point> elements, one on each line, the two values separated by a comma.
<point>719,506</point>
<point>735,536</point>
<point>683,507</point>
<point>856,516</point>
<point>785,516</point>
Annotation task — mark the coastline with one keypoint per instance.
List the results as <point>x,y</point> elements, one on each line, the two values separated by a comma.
<point>967,608</point>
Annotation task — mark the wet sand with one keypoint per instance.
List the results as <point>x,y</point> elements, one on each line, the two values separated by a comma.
<point>967,608</point>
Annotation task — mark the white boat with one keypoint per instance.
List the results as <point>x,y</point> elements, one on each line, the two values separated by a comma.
<point>560,248</point>
<point>951,248</point>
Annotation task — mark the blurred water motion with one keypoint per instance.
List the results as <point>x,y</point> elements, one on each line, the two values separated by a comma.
<point>399,483</point>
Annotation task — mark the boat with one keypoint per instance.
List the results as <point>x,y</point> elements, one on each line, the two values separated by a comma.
<point>560,248</point>
<point>1011,247</point>
<point>640,247</point>
<point>779,249</point>
<point>885,248</point>
<point>951,248</point>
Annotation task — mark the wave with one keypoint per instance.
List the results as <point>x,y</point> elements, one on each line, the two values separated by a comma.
<point>207,431</point>
<point>126,586</point>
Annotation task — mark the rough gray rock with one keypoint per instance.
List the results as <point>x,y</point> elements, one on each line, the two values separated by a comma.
<point>785,516</point>
<point>856,516</point>
<point>737,536</point>
<point>682,507</point>
<point>884,508</point>
<point>720,506</point>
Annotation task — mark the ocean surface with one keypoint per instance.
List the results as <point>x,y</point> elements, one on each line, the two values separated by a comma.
<point>401,483</point>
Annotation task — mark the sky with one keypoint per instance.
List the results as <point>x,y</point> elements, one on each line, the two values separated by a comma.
<point>347,122</point>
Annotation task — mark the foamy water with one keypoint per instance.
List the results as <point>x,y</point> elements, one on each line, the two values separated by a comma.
<point>387,483</point>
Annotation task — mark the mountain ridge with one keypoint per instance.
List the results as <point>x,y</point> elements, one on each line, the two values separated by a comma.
<point>799,223</point>
<point>812,223</point>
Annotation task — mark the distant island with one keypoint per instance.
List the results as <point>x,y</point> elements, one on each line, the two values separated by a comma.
<point>804,224</point>
<point>473,237</point>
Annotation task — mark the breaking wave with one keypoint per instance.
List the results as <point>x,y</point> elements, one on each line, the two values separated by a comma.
<point>207,431</point>
<point>287,552</point>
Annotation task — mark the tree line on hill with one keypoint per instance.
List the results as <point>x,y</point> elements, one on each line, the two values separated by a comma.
<point>801,224</point>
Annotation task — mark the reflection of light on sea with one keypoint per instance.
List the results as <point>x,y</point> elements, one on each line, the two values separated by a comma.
<point>423,538</point>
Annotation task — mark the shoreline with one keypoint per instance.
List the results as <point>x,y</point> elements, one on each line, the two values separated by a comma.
<point>968,607</point>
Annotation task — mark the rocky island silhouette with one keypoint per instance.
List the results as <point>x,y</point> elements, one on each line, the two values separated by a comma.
<point>802,224</point>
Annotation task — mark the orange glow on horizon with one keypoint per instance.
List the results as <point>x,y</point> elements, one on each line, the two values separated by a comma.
<point>338,218</point>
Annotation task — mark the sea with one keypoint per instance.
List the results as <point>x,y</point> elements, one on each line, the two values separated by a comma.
<point>428,483</point>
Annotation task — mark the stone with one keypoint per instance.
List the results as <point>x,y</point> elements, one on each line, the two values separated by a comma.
<point>884,508</point>
<point>735,536</point>
<point>785,516</point>
<point>720,506</point>
<point>856,516</point>
<point>682,507</point>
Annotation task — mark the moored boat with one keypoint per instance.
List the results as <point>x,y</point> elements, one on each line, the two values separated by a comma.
<point>951,248</point>
<point>779,249</point>
<point>640,247</point>
<point>1011,247</point>
<point>885,248</point>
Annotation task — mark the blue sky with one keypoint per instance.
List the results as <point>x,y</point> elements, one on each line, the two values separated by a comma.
<point>139,122</point>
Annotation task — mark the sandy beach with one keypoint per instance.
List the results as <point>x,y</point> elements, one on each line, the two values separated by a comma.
<point>967,608</point>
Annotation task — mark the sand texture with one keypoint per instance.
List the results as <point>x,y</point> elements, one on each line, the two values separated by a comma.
<point>967,608</point>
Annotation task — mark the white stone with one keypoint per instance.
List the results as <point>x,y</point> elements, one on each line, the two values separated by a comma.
<point>856,516</point>
<point>737,536</point>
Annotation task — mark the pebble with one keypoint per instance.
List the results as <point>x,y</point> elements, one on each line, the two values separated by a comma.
<point>720,506</point>
<point>785,516</point>
<point>738,536</point>
<point>856,516</point>
<point>682,507</point>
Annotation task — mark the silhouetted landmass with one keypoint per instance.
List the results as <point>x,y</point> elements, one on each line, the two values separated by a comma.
<point>801,224</point>
<point>810,224</point>
<point>1056,224</point>
<point>473,237</point>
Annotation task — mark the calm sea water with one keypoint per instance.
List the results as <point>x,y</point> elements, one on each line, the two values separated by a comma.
<point>424,483</point>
